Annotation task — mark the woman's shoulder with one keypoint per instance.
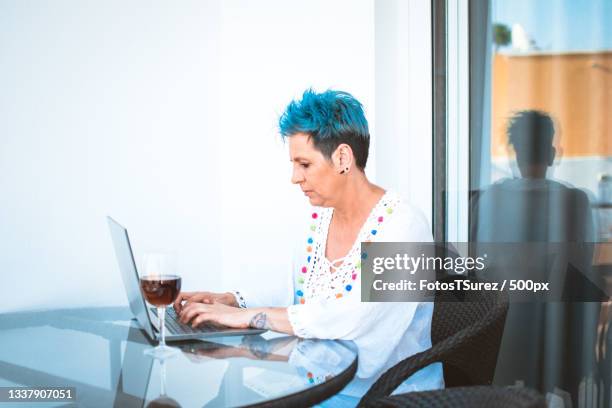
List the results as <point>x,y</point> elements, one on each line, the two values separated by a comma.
<point>407,223</point>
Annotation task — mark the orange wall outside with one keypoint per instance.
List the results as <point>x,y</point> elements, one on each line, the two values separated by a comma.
<point>576,89</point>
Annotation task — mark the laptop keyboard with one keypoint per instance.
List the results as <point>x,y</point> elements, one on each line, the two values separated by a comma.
<point>174,325</point>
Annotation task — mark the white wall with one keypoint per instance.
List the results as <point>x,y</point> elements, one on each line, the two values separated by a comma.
<point>272,50</point>
<point>164,115</point>
<point>404,100</point>
<point>106,108</point>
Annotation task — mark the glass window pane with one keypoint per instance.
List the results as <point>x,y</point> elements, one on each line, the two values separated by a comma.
<point>541,171</point>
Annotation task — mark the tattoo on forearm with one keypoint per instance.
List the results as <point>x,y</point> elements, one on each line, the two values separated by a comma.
<point>260,321</point>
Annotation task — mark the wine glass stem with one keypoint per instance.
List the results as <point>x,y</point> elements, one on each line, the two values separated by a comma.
<point>163,377</point>
<point>161,312</point>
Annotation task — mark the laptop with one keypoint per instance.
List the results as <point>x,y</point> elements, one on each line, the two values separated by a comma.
<point>145,314</point>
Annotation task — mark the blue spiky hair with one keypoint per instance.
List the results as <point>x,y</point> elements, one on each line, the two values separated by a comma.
<point>330,118</point>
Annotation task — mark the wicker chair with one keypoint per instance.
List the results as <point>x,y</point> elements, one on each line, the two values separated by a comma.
<point>468,397</point>
<point>466,332</point>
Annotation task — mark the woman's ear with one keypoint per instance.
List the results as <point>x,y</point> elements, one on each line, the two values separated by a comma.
<point>342,158</point>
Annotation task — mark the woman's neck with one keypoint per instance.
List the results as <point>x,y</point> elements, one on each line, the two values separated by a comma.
<point>357,199</point>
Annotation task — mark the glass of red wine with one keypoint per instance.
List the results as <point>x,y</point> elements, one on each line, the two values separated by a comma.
<point>160,286</point>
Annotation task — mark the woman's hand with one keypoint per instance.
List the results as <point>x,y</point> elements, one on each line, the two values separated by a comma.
<point>215,313</point>
<point>268,318</point>
<point>203,297</point>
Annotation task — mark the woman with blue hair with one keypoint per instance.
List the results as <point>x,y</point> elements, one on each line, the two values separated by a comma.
<point>329,141</point>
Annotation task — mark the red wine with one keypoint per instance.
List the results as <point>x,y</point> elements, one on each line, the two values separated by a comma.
<point>160,290</point>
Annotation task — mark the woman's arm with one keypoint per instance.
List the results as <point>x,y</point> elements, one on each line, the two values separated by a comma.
<point>270,318</point>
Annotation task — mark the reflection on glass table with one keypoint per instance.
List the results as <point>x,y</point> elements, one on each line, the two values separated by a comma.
<point>163,400</point>
<point>100,352</point>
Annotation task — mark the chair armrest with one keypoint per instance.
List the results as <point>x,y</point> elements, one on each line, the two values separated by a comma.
<point>393,377</point>
<point>465,397</point>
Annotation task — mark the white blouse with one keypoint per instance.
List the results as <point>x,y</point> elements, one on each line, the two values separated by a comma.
<point>327,298</point>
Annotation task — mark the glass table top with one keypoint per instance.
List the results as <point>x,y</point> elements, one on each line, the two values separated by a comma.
<point>100,352</point>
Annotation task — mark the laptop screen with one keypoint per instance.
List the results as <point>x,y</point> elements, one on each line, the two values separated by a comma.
<point>127,266</point>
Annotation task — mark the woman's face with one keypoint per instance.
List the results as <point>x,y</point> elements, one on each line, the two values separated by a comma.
<point>316,175</point>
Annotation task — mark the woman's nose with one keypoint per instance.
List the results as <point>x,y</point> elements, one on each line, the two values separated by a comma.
<point>296,176</point>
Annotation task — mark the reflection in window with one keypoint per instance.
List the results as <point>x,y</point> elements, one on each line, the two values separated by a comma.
<point>541,171</point>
